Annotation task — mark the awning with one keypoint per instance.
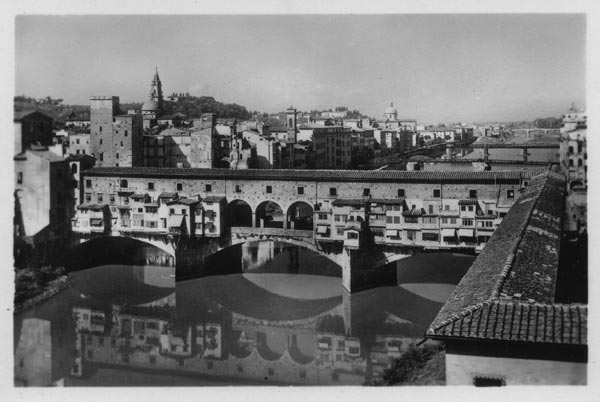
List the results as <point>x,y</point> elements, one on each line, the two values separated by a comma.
<point>448,232</point>
<point>125,193</point>
<point>175,221</point>
<point>139,196</point>
<point>123,207</point>
<point>93,207</point>
<point>466,232</point>
<point>321,229</point>
<point>467,202</point>
<point>391,233</point>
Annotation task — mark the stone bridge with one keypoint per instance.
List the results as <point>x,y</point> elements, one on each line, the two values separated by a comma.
<point>189,254</point>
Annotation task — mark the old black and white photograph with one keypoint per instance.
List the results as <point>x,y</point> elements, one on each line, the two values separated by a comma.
<point>283,198</point>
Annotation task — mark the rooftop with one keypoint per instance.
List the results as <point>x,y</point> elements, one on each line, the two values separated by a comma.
<point>508,293</point>
<point>496,176</point>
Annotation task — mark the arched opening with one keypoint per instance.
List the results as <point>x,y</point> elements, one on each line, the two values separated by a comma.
<point>73,168</point>
<point>300,216</point>
<point>269,215</point>
<point>239,214</point>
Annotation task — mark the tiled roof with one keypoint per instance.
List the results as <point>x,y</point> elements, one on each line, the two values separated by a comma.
<point>184,201</point>
<point>213,198</point>
<point>21,115</point>
<point>496,176</point>
<point>350,202</point>
<point>95,207</point>
<point>508,293</point>
<point>168,195</point>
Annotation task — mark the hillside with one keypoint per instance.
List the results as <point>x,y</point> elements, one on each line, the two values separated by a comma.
<point>192,106</point>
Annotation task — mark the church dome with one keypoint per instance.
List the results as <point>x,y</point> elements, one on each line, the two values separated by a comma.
<point>390,109</point>
<point>150,106</point>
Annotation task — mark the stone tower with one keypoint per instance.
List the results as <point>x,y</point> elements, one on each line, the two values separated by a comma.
<point>291,124</point>
<point>156,90</point>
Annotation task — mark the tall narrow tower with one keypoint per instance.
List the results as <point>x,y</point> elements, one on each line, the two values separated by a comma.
<point>291,124</point>
<point>156,90</point>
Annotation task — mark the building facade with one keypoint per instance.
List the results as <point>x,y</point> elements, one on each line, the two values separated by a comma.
<point>115,139</point>
<point>332,146</point>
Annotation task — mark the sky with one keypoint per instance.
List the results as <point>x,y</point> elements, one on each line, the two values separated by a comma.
<point>435,68</point>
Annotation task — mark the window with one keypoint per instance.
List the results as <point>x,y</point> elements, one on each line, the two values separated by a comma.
<point>100,198</point>
<point>472,193</point>
<point>332,192</point>
<point>389,219</point>
<point>430,236</point>
<point>366,192</point>
<point>124,183</point>
<point>269,189</point>
<point>112,198</point>
<point>208,188</point>
<point>20,178</point>
<point>411,234</point>
<point>323,217</point>
<point>401,192</point>
<point>570,162</point>
<point>351,235</point>
<point>125,133</point>
<point>150,185</point>
<point>571,150</point>
<point>467,222</point>
<point>238,188</point>
<point>179,186</point>
<point>101,156</point>
<point>300,190</point>
<point>431,209</point>
<point>510,193</point>
<point>396,219</point>
<point>340,218</point>
<point>88,197</point>
<point>172,211</point>
<point>470,208</point>
<point>488,382</point>
<point>100,141</point>
<point>447,207</point>
<point>436,193</point>
<point>411,219</point>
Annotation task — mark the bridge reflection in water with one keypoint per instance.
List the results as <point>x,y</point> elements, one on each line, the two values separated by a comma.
<point>283,317</point>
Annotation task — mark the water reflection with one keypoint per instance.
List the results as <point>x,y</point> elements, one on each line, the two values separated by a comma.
<point>274,322</point>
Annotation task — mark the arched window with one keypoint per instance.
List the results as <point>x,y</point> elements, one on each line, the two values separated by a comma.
<point>74,168</point>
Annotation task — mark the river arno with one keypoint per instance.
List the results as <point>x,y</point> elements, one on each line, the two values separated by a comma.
<point>282,317</point>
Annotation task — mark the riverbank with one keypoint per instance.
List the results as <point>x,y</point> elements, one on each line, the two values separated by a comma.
<point>51,288</point>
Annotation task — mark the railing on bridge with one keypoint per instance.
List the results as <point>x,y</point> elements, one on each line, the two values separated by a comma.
<point>246,231</point>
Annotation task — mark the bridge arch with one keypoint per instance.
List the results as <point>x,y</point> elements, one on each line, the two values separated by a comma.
<point>106,250</point>
<point>269,214</point>
<point>300,216</point>
<point>239,214</point>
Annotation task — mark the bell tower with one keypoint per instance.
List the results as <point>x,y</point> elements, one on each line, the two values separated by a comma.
<point>156,93</point>
<point>291,124</point>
